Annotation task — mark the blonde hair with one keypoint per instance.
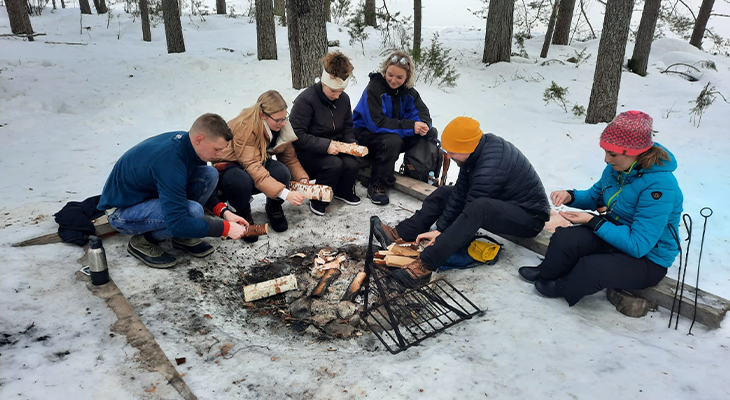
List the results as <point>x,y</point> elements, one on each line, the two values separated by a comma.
<point>337,65</point>
<point>250,122</point>
<point>410,68</point>
<point>655,155</point>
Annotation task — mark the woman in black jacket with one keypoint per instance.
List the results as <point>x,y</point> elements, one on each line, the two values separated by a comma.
<point>322,114</point>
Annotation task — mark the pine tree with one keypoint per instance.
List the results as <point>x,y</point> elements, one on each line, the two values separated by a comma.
<point>370,13</point>
<point>19,18</point>
<point>307,40</point>
<point>417,17</point>
<point>562,23</point>
<point>701,23</point>
<point>85,7</point>
<point>173,27</point>
<point>145,16</point>
<point>498,36</point>
<point>640,58</point>
<point>265,30</point>
<point>220,7</point>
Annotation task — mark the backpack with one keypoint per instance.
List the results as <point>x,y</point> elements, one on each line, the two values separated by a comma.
<point>482,250</point>
<point>422,159</point>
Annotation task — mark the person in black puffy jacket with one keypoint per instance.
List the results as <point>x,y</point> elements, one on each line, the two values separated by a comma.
<point>497,190</point>
<point>322,114</point>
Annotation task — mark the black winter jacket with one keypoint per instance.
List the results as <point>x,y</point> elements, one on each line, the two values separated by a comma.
<point>317,120</point>
<point>497,170</point>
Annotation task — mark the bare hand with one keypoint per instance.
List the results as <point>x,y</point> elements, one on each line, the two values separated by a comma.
<point>560,197</point>
<point>236,231</point>
<point>430,236</point>
<point>577,217</point>
<point>295,198</point>
<point>420,128</point>
<point>234,219</point>
<point>332,149</point>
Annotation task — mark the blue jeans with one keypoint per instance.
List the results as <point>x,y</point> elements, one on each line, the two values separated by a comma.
<point>148,216</point>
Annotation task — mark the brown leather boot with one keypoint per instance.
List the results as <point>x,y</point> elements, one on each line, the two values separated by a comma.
<point>414,274</point>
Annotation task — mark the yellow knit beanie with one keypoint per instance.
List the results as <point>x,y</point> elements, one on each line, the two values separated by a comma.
<point>461,135</point>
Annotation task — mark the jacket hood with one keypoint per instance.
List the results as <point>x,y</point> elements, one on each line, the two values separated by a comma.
<point>323,97</point>
<point>669,166</point>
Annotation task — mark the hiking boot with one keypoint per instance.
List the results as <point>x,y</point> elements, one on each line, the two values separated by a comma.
<point>246,214</point>
<point>349,198</point>
<point>376,193</point>
<point>384,234</point>
<point>196,247</point>
<point>530,274</point>
<point>413,275</point>
<point>150,253</point>
<point>318,207</point>
<point>547,288</point>
<point>277,219</point>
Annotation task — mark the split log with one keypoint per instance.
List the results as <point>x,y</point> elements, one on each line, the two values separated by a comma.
<point>354,287</point>
<point>270,288</point>
<point>324,283</point>
<point>320,270</point>
<point>257,230</point>
<point>352,149</point>
<point>101,225</point>
<point>312,191</point>
<point>403,251</point>
<point>398,261</point>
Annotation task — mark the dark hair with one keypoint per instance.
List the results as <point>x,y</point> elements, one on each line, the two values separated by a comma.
<point>212,126</point>
<point>338,65</point>
<point>655,155</point>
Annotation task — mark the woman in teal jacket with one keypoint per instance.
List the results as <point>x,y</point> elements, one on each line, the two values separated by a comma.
<point>630,244</point>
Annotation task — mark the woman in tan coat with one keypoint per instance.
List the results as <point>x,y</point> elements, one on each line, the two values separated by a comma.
<point>247,166</point>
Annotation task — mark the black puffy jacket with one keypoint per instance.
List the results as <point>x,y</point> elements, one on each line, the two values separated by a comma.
<point>497,170</point>
<point>317,120</point>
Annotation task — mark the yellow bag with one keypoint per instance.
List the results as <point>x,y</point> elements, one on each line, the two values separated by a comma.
<point>484,251</point>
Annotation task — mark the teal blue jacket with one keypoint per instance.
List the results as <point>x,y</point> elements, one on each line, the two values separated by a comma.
<point>642,205</point>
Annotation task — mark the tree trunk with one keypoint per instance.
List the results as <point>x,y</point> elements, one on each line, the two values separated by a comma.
<point>279,8</point>
<point>54,4</point>
<point>611,50</point>
<point>328,10</point>
<point>145,16</point>
<point>63,4</point>
<point>644,37</point>
<point>220,7</point>
<point>370,13</point>
<point>549,33</point>
<point>85,7</point>
<point>100,6</point>
<point>498,37</point>
<point>265,30</point>
<point>417,29</point>
<point>701,23</point>
<point>173,27</point>
<point>307,40</point>
<point>19,18</point>
<point>562,24</point>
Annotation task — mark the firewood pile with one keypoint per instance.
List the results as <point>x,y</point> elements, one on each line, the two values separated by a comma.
<point>399,254</point>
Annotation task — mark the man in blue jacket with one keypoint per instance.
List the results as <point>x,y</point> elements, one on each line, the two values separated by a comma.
<point>497,190</point>
<point>157,189</point>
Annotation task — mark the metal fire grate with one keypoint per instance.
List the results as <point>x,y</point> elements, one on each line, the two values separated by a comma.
<point>402,316</point>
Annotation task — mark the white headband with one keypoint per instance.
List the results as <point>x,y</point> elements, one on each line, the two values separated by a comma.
<point>334,83</point>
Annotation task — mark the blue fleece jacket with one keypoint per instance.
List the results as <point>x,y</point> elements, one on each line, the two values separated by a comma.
<point>159,167</point>
<point>642,205</point>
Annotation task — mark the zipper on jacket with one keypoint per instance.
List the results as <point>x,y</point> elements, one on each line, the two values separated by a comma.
<point>333,120</point>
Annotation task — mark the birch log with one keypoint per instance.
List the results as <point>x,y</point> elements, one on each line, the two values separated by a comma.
<point>313,191</point>
<point>270,288</point>
<point>257,230</point>
<point>352,149</point>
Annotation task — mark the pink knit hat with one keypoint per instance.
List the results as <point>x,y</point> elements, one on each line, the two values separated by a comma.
<point>629,133</point>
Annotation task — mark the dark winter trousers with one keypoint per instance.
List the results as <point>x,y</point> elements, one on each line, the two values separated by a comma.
<point>383,151</point>
<point>584,264</point>
<point>339,172</point>
<point>237,186</point>
<point>496,216</point>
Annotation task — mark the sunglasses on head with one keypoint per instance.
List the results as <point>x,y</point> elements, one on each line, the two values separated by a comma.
<point>277,120</point>
<point>401,61</point>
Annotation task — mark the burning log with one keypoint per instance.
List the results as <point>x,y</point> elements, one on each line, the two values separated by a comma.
<point>354,287</point>
<point>269,288</point>
<point>257,230</point>
<point>313,191</point>
<point>326,280</point>
<point>352,149</point>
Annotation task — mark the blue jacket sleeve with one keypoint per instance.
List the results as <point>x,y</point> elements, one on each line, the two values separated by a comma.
<point>171,181</point>
<point>588,199</point>
<point>652,216</point>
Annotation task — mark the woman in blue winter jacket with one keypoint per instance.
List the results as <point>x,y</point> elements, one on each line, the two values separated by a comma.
<point>629,245</point>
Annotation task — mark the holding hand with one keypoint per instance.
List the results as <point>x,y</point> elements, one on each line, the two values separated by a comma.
<point>420,128</point>
<point>577,217</point>
<point>234,219</point>
<point>295,198</point>
<point>560,197</point>
<point>332,149</point>
<point>430,236</point>
<point>236,231</point>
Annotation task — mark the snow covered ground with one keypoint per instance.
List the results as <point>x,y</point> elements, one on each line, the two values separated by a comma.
<point>67,112</point>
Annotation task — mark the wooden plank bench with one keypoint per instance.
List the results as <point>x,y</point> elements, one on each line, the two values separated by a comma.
<point>102,229</point>
<point>711,309</point>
